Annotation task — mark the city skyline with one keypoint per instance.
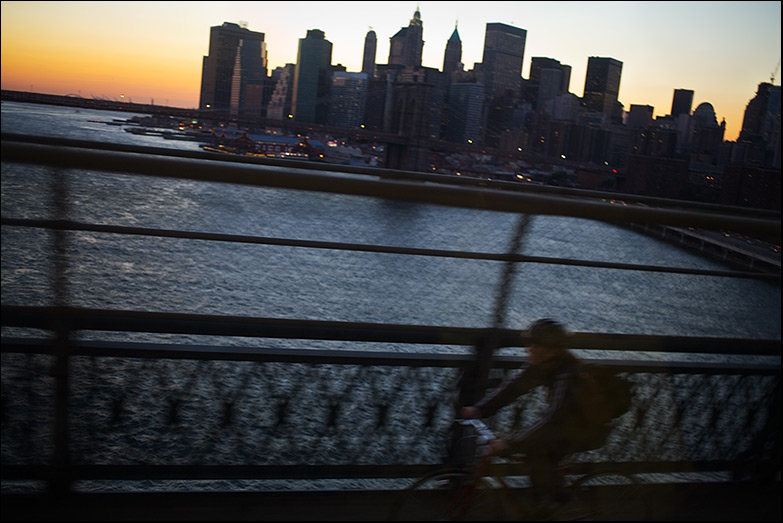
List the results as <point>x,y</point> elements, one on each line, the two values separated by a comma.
<point>720,50</point>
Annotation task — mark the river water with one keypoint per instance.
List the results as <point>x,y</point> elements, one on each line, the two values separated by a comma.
<point>119,272</point>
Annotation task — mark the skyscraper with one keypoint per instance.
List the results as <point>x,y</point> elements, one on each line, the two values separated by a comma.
<point>452,58</point>
<point>406,46</point>
<point>602,86</point>
<point>464,113</point>
<point>347,99</point>
<point>312,78</point>
<point>504,52</point>
<point>759,140</point>
<point>557,82</point>
<point>368,58</point>
<point>279,106</point>
<point>234,71</point>
<point>550,85</point>
<point>762,113</point>
<point>247,80</point>
<point>682,101</point>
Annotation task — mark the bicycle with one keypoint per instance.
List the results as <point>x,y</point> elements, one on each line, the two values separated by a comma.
<point>481,491</point>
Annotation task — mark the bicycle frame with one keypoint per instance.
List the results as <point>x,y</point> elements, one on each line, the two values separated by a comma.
<point>480,491</point>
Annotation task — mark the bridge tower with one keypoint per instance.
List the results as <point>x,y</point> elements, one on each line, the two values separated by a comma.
<point>410,117</point>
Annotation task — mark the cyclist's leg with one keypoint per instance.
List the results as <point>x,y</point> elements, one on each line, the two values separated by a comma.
<point>543,456</point>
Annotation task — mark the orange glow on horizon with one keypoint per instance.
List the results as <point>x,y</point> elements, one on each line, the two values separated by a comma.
<point>121,68</point>
<point>154,50</point>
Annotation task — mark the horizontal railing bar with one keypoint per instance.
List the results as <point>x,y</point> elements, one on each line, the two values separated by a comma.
<point>271,472</point>
<point>392,173</point>
<point>182,323</point>
<point>227,353</point>
<point>51,318</point>
<point>259,472</point>
<point>684,344</point>
<point>321,181</point>
<point>351,357</point>
<point>67,225</point>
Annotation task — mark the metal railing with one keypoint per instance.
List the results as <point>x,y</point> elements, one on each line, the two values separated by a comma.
<point>79,413</point>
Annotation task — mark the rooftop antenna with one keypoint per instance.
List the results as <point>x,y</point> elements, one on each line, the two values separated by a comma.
<point>775,72</point>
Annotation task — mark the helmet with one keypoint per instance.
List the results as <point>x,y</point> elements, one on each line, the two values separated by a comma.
<point>548,333</point>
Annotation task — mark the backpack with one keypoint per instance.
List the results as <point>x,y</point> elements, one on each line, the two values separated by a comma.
<point>607,395</point>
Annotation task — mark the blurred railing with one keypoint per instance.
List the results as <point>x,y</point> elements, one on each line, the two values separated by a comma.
<point>116,415</point>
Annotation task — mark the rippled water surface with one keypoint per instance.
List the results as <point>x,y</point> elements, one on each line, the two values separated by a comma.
<point>161,274</point>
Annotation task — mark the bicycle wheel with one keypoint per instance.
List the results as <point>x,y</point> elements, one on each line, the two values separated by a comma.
<point>608,496</point>
<point>448,496</point>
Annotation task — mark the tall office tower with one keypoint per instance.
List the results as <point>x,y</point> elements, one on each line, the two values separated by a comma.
<point>504,52</point>
<point>312,78</point>
<point>466,101</point>
<point>682,102</point>
<point>550,85</point>
<point>247,81</point>
<point>566,78</point>
<point>539,64</point>
<point>452,58</point>
<point>235,65</point>
<point>279,106</point>
<point>347,99</point>
<point>370,48</point>
<point>602,87</point>
<point>406,46</point>
<point>759,138</point>
<point>762,112</point>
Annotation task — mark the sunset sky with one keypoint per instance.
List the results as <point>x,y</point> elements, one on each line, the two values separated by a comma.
<point>143,51</point>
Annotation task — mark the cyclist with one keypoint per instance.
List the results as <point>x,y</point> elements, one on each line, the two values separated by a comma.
<point>565,427</point>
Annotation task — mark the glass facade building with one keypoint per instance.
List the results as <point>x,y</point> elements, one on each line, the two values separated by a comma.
<point>312,78</point>
<point>234,71</point>
<point>463,113</point>
<point>348,96</point>
<point>504,53</point>
<point>602,86</point>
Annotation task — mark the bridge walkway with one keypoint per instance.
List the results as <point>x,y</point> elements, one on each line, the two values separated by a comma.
<point>723,501</point>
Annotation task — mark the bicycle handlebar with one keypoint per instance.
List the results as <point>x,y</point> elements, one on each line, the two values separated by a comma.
<point>483,433</point>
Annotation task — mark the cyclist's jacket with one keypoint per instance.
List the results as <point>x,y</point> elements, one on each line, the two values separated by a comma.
<point>566,421</point>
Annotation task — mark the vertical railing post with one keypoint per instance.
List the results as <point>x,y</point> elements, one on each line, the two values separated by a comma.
<point>475,380</point>
<point>60,484</point>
